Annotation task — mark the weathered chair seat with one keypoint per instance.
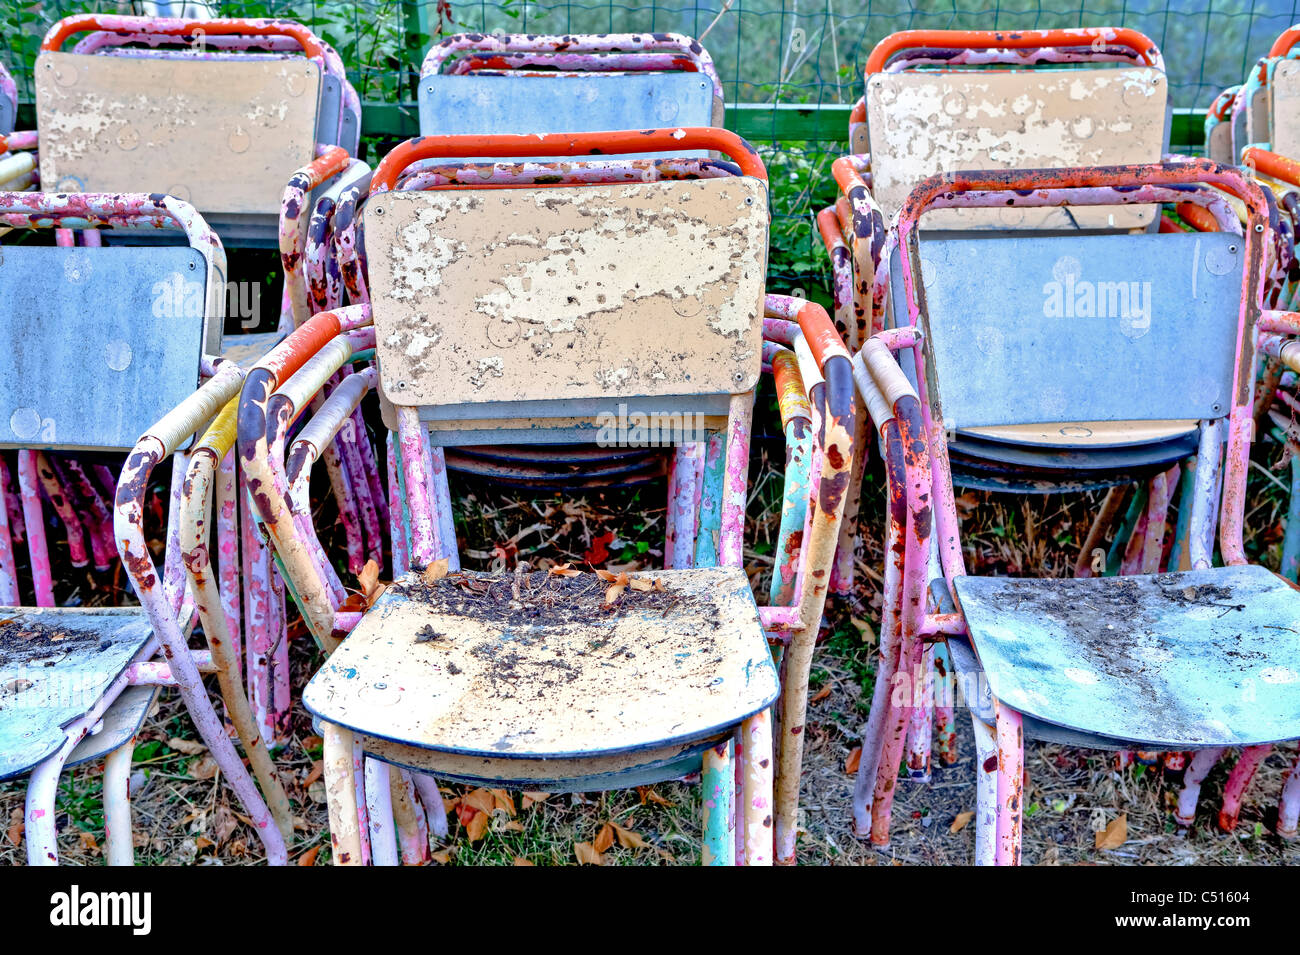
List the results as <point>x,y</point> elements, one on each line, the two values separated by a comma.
<point>464,668</point>
<point>119,726</point>
<point>1181,660</point>
<point>56,664</point>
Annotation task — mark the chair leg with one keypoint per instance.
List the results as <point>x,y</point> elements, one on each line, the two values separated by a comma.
<point>39,830</point>
<point>757,793</point>
<point>1011,782</point>
<point>1198,767</point>
<point>341,795</point>
<point>945,724</point>
<point>1288,806</point>
<point>920,729</point>
<point>1238,782</point>
<point>118,847</point>
<point>986,791</point>
<point>412,831</point>
<point>359,794</point>
<point>434,809</point>
<point>379,807</point>
<point>718,783</point>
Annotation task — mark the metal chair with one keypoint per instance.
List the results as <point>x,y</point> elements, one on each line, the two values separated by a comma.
<point>1157,661</point>
<point>473,382</point>
<point>111,349</point>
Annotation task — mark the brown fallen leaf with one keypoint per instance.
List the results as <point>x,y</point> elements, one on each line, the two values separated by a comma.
<point>643,584</point>
<point>187,746</point>
<point>963,819</point>
<point>520,860</point>
<point>309,857</point>
<point>223,824</point>
<point>442,856</point>
<point>369,577</point>
<point>16,827</point>
<point>478,826</point>
<point>606,576</point>
<point>648,794</point>
<point>513,826</point>
<point>659,585</point>
<point>436,571</point>
<point>312,742</point>
<point>317,769</point>
<point>865,629</point>
<point>203,767</point>
<point>629,839</point>
<point>1114,835</point>
<point>851,764</point>
<point>587,855</point>
<point>88,842</point>
<point>481,799</point>
<point>613,593</point>
<point>501,800</point>
<point>203,842</point>
<point>604,839</point>
<point>563,570</point>
<point>821,694</point>
<point>532,797</point>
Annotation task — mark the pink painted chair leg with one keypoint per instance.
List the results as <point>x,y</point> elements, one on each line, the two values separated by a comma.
<point>40,831</point>
<point>9,596</point>
<point>756,801</point>
<point>738,769</point>
<point>434,808</point>
<point>986,792</point>
<point>1238,782</point>
<point>1288,806</point>
<point>359,795</point>
<point>1198,767</point>
<point>920,730</point>
<point>341,795</point>
<point>1011,783</point>
<point>119,850</point>
<point>34,522</point>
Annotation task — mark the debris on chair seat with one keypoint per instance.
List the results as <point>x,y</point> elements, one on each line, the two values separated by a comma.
<point>24,641</point>
<point>548,599</point>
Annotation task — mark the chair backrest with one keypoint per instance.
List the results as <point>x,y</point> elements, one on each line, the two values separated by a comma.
<point>562,304</point>
<point>101,342</point>
<point>926,121</point>
<point>221,133</point>
<point>1025,330</point>
<point>567,102</point>
<point>1284,102</point>
<point>1218,127</point>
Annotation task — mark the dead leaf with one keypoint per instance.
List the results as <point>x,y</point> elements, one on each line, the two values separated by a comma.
<point>501,800</point>
<point>1114,835</point>
<point>604,839</point>
<point>317,768</point>
<point>481,799</point>
<point>864,628</point>
<point>614,592</point>
<point>436,571</point>
<point>821,694</point>
<point>642,584</point>
<point>520,860</point>
<point>187,746</point>
<point>851,764</point>
<point>587,855</point>
<point>513,826</point>
<point>203,767</point>
<point>963,819</point>
<point>532,796</point>
<point>309,857</point>
<point>369,577</point>
<point>88,842</point>
<point>16,826</point>
<point>312,742</point>
<point>477,826</point>
<point>442,857</point>
<point>629,839</point>
<point>223,824</point>
<point>606,576</point>
<point>659,585</point>
<point>563,570</point>
<point>648,794</point>
<point>598,552</point>
<point>203,842</point>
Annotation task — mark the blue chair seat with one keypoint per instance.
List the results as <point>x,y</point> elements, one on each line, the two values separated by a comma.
<point>54,666</point>
<point>1181,660</point>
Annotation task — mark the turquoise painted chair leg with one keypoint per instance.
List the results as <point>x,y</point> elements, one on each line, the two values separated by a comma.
<point>1180,557</point>
<point>1291,539</point>
<point>1136,508</point>
<point>718,786</point>
<point>710,521</point>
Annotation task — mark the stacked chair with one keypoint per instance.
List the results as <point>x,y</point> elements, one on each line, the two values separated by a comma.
<point>221,114</point>
<point>566,283</point>
<point>98,363</point>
